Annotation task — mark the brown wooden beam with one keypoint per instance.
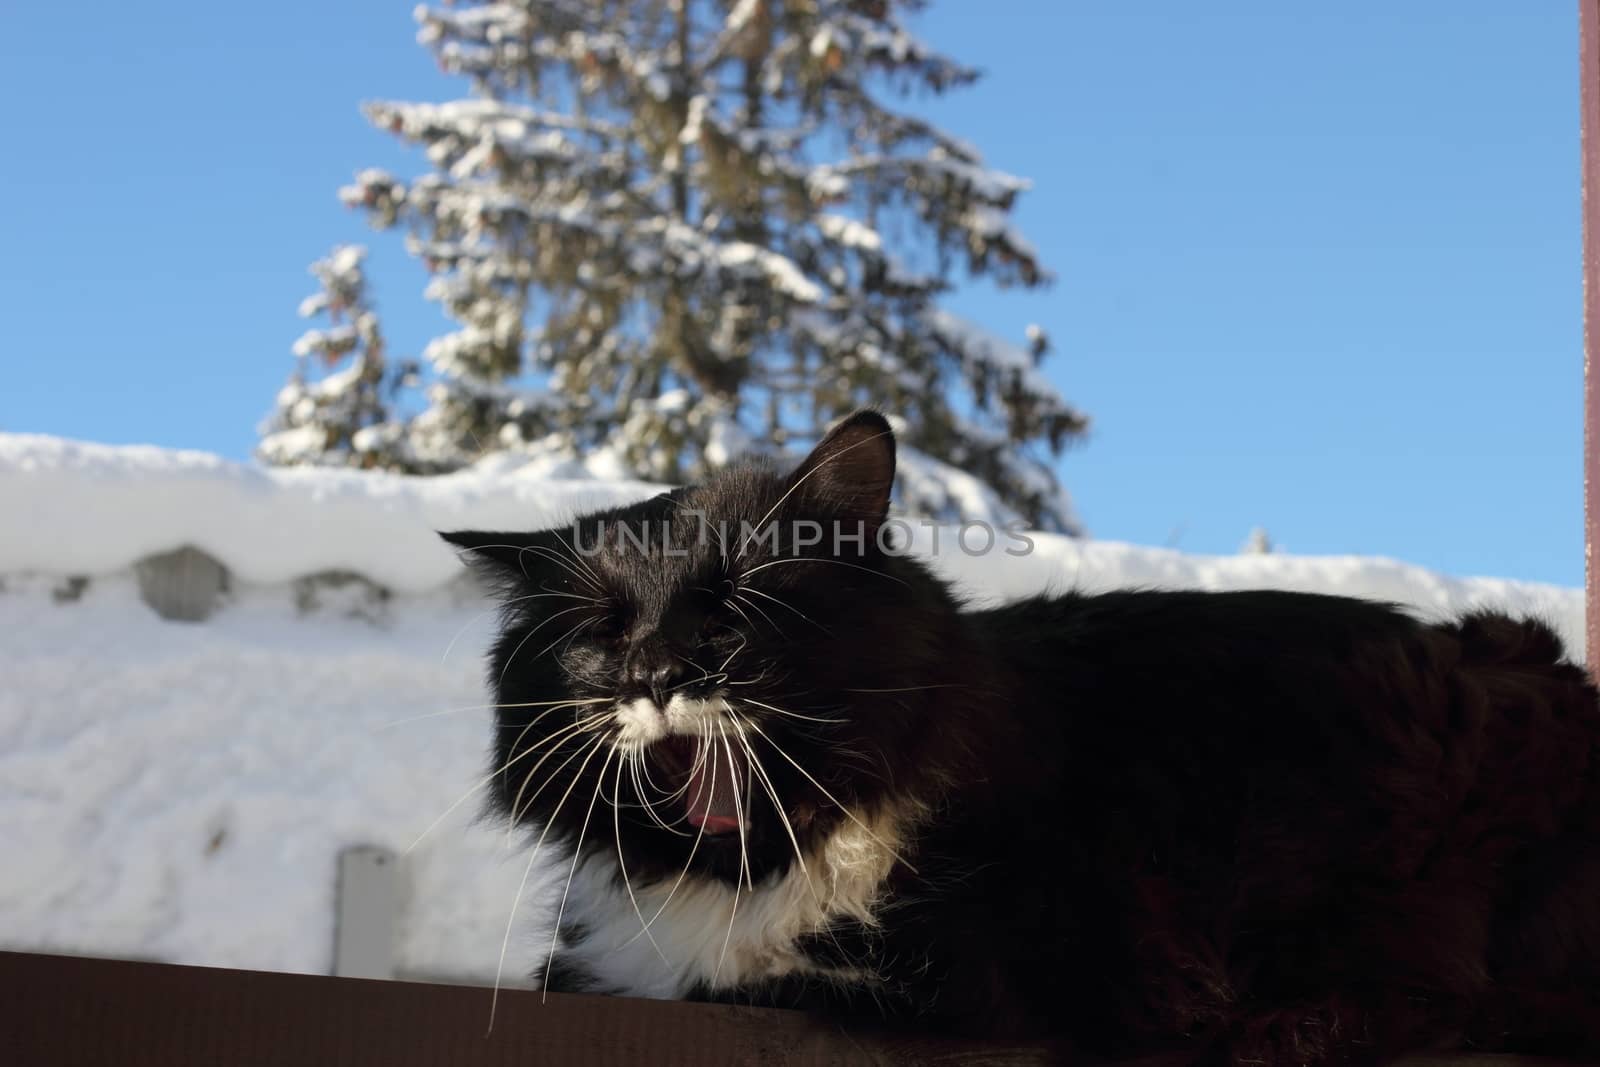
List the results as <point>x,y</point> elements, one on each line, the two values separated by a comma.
<point>57,1010</point>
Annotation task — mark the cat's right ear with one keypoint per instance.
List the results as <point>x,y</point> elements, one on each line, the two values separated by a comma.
<point>502,556</point>
<point>851,471</point>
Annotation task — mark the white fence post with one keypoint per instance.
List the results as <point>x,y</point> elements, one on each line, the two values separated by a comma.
<point>368,900</point>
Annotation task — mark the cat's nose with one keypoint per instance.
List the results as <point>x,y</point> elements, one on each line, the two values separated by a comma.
<point>656,674</point>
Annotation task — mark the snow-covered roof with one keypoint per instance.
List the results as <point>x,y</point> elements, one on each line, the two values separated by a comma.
<point>85,509</point>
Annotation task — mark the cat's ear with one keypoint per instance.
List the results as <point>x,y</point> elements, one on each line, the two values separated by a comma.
<point>503,556</point>
<point>851,471</point>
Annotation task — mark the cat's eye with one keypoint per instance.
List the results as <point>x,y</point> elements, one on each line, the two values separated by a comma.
<point>608,628</point>
<point>711,603</point>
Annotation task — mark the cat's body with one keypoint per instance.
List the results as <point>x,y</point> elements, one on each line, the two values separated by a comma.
<point>1265,827</point>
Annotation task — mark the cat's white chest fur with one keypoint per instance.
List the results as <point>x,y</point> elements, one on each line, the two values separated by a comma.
<point>706,934</point>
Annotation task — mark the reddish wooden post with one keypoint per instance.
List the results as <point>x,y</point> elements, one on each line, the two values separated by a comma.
<point>1589,77</point>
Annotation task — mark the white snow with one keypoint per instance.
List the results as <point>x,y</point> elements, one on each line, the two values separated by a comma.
<point>849,232</point>
<point>993,226</point>
<point>968,336</point>
<point>779,268</point>
<point>742,12</point>
<point>694,119</point>
<point>995,186</point>
<point>338,340</point>
<point>181,791</point>
<point>79,508</point>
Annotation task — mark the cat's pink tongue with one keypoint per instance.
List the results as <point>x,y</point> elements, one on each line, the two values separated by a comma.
<point>713,800</point>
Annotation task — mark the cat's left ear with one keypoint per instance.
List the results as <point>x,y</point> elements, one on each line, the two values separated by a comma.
<point>500,555</point>
<point>851,471</point>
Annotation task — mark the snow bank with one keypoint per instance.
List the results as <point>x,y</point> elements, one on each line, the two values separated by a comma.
<point>181,791</point>
<point>74,508</point>
<point>1061,563</point>
<point>77,508</point>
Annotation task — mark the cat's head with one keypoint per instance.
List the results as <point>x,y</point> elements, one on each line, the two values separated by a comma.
<point>716,677</point>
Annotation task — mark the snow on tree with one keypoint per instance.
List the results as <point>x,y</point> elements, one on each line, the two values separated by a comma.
<point>334,410</point>
<point>700,228</point>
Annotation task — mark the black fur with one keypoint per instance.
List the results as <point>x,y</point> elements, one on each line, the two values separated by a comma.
<point>1255,827</point>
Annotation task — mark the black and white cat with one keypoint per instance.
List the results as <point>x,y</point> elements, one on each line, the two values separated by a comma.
<point>1253,827</point>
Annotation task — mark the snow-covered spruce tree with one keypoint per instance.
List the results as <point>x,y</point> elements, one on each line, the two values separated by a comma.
<point>334,409</point>
<point>704,225</point>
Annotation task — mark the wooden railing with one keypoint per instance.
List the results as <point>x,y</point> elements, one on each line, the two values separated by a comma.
<point>56,1010</point>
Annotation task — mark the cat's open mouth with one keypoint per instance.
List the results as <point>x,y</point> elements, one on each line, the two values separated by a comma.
<point>710,780</point>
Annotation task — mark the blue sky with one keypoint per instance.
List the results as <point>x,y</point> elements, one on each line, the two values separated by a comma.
<point>1318,265</point>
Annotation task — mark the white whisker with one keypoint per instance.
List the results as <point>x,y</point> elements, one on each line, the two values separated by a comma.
<point>744,641</point>
<point>529,635</point>
<point>790,714</point>
<point>577,855</point>
<point>555,557</point>
<point>518,810</point>
<point>492,707</point>
<point>791,607</point>
<point>501,607</point>
<point>909,688</point>
<point>772,791</point>
<point>848,813</point>
<point>490,777</point>
<point>648,804</point>
<point>734,604</point>
<point>505,942</point>
<point>739,598</point>
<point>693,848</point>
<point>823,559</point>
<point>622,864</point>
<point>576,557</point>
<point>733,911</point>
